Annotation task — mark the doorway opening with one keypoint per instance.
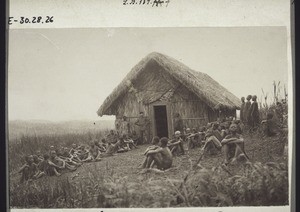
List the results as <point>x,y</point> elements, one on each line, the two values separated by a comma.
<point>161,120</point>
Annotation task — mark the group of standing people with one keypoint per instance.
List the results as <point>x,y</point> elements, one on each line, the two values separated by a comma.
<point>249,113</point>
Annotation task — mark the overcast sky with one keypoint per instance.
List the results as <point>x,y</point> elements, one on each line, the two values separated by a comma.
<point>65,74</point>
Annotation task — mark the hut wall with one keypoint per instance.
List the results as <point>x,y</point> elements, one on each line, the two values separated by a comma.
<point>193,111</point>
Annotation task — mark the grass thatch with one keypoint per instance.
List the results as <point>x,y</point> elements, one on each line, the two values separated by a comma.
<point>202,85</point>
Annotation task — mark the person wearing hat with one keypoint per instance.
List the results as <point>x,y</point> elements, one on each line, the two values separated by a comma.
<point>176,144</point>
<point>124,126</point>
<point>143,123</point>
<point>178,122</point>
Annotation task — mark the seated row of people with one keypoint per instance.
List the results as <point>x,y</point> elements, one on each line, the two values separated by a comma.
<point>58,160</point>
<point>212,139</point>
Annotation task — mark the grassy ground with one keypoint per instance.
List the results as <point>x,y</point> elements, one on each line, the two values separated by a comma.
<point>117,182</point>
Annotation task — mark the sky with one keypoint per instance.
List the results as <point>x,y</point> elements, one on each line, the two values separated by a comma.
<point>66,74</point>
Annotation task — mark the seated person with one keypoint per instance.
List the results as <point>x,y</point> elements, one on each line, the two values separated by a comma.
<point>154,146</point>
<point>186,134</point>
<point>29,170</point>
<point>193,139</point>
<point>47,167</point>
<point>36,159</point>
<point>134,136</point>
<point>176,144</point>
<point>123,146</point>
<point>233,145</point>
<point>130,143</point>
<point>154,142</point>
<point>101,145</point>
<point>160,157</point>
<point>201,134</point>
<point>212,141</point>
<point>94,154</point>
<point>238,125</point>
<point>112,137</point>
<point>269,125</point>
<point>74,149</point>
<point>71,159</point>
<point>51,148</point>
<point>60,163</point>
<point>82,152</point>
<point>39,154</point>
<point>59,151</point>
<point>111,149</point>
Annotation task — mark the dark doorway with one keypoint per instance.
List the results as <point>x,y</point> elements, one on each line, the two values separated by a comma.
<point>161,121</point>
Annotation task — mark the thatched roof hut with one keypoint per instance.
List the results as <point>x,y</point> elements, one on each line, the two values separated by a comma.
<point>161,80</point>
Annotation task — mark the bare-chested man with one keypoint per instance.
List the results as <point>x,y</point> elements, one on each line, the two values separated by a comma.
<point>233,145</point>
<point>176,144</point>
<point>162,156</point>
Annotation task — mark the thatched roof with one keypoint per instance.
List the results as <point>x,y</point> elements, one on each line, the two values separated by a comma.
<point>207,89</point>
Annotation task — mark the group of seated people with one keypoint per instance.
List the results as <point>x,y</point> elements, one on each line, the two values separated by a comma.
<point>211,138</point>
<point>58,160</point>
<point>214,138</point>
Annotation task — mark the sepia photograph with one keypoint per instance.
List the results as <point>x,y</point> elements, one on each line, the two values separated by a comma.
<point>148,117</point>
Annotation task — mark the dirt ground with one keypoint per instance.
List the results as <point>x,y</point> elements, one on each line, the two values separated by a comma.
<point>126,164</point>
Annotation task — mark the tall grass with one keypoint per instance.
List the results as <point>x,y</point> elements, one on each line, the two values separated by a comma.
<point>268,103</point>
<point>258,184</point>
<point>19,148</point>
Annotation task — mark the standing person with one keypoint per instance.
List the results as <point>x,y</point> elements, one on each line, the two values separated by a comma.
<point>178,123</point>
<point>254,113</point>
<point>242,109</point>
<point>246,109</point>
<point>124,127</point>
<point>143,123</point>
